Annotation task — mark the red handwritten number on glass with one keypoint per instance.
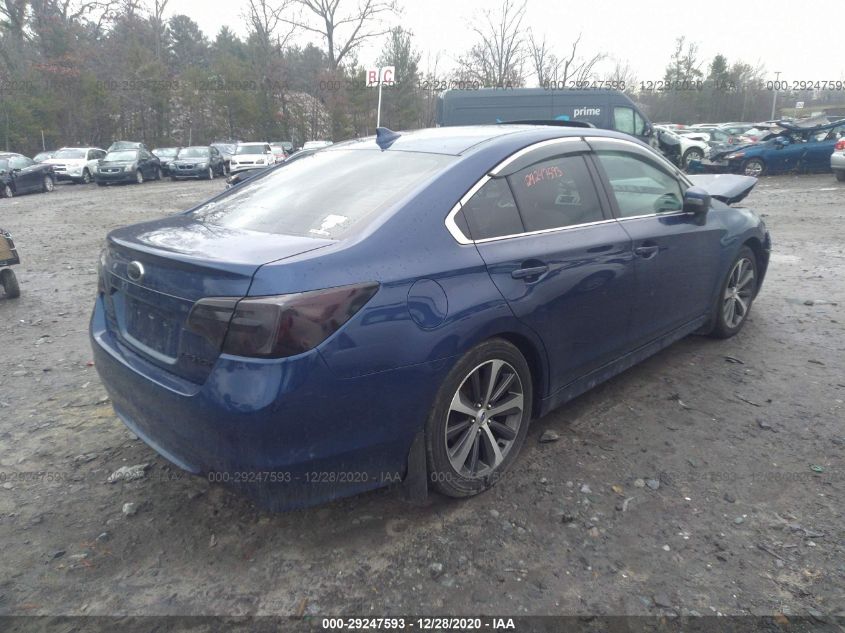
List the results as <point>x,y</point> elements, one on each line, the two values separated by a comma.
<point>542,173</point>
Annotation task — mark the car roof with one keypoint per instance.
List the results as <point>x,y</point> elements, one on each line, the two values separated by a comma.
<point>459,140</point>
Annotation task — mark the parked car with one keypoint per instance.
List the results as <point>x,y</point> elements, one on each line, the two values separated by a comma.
<point>255,338</point>
<point>250,156</point>
<point>837,160</point>
<point>199,161</point>
<point>793,149</point>
<point>76,164</point>
<point>279,152</point>
<point>19,174</point>
<point>8,257</point>
<point>40,157</point>
<point>127,145</point>
<point>165,156</point>
<point>227,150</point>
<point>688,147</point>
<point>128,165</point>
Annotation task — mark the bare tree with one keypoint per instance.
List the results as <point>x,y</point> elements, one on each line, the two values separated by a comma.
<point>264,18</point>
<point>622,76</point>
<point>344,28</point>
<point>546,64</point>
<point>499,54</point>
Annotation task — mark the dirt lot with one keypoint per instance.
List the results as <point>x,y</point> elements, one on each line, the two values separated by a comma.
<point>709,479</point>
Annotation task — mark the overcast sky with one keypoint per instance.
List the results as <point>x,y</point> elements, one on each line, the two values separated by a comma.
<point>804,45</point>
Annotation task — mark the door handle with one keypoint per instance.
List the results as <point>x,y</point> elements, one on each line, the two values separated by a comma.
<point>647,252</point>
<point>533,271</point>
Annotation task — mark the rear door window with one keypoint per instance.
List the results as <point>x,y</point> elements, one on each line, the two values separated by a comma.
<point>556,193</point>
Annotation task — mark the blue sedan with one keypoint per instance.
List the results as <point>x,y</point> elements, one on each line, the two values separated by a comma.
<point>399,308</point>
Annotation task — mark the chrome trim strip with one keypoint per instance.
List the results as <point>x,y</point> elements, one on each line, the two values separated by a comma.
<point>450,219</point>
<point>452,227</point>
<point>542,231</point>
<point>554,141</point>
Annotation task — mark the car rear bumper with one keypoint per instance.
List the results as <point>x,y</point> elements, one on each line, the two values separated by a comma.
<point>121,176</point>
<point>62,176</point>
<point>234,169</point>
<point>837,161</point>
<point>289,432</point>
<point>189,173</point>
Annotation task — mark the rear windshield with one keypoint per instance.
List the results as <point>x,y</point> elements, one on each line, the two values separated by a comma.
<point>326,194</point>
<point>193,152</point>
<point>70,153</point>
<point>122,154</point>
<point>250,149</point>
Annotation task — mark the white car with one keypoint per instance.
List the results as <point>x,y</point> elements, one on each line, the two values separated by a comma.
<point>77,164</point>
<point>251,156</point>
<point>693,146</point>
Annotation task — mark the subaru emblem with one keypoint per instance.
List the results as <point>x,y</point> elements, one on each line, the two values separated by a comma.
<point>135,271</point>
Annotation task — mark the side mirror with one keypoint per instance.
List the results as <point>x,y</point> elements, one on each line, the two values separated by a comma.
<point>697,201</point>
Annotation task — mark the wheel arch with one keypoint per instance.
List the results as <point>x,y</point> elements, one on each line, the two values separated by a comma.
<point>536,359</point>
<point>760,255</point>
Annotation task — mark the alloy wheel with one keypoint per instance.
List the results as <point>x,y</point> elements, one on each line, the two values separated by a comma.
<point>754,168</point>
<point>738,293</point>
<point>48,184</point>
<point>7,192</point>
<point>86,177</point>
<point>139,177</point>
<point>484,419</point>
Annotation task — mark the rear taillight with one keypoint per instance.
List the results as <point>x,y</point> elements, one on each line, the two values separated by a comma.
<point>279,326</point>
<point>840,144</point>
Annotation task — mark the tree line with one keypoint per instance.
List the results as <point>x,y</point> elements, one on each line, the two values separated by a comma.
<point>92,71</point>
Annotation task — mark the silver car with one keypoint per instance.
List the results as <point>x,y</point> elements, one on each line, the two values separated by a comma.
<point>837,160</point>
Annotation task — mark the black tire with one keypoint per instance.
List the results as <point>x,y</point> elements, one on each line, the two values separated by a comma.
<point>693,153</point>
<point>10,283</point>
<point>840,175</point>
<point>139,177</point>
<point>158,173</point>
<point>754,167</point>
<point>8,192</point>
<point>101,184</point>
<point>48,184</point>
<point>445,477</point>
<point>210,174</point>
<point>226,170</point>
<point>722,327</point>
<point>86,177</point>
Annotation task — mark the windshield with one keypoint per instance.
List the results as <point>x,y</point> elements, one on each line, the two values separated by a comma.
<point>70,153</point>
<point>193,152</point>
<point>324,194</point>
<point>250,149</point>
<point>166,152</point>
<point>124,154</point>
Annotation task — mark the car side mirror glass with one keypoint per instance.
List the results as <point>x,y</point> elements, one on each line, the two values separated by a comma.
<point>696,200</point>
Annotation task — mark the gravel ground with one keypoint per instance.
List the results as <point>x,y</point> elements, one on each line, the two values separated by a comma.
<point>708,479</point>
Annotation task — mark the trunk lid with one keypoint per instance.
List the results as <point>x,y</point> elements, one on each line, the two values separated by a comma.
<point>153,274</point>
<point>728,188</point>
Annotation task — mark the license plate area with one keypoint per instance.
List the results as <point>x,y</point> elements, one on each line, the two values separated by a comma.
<point>151,330</point>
